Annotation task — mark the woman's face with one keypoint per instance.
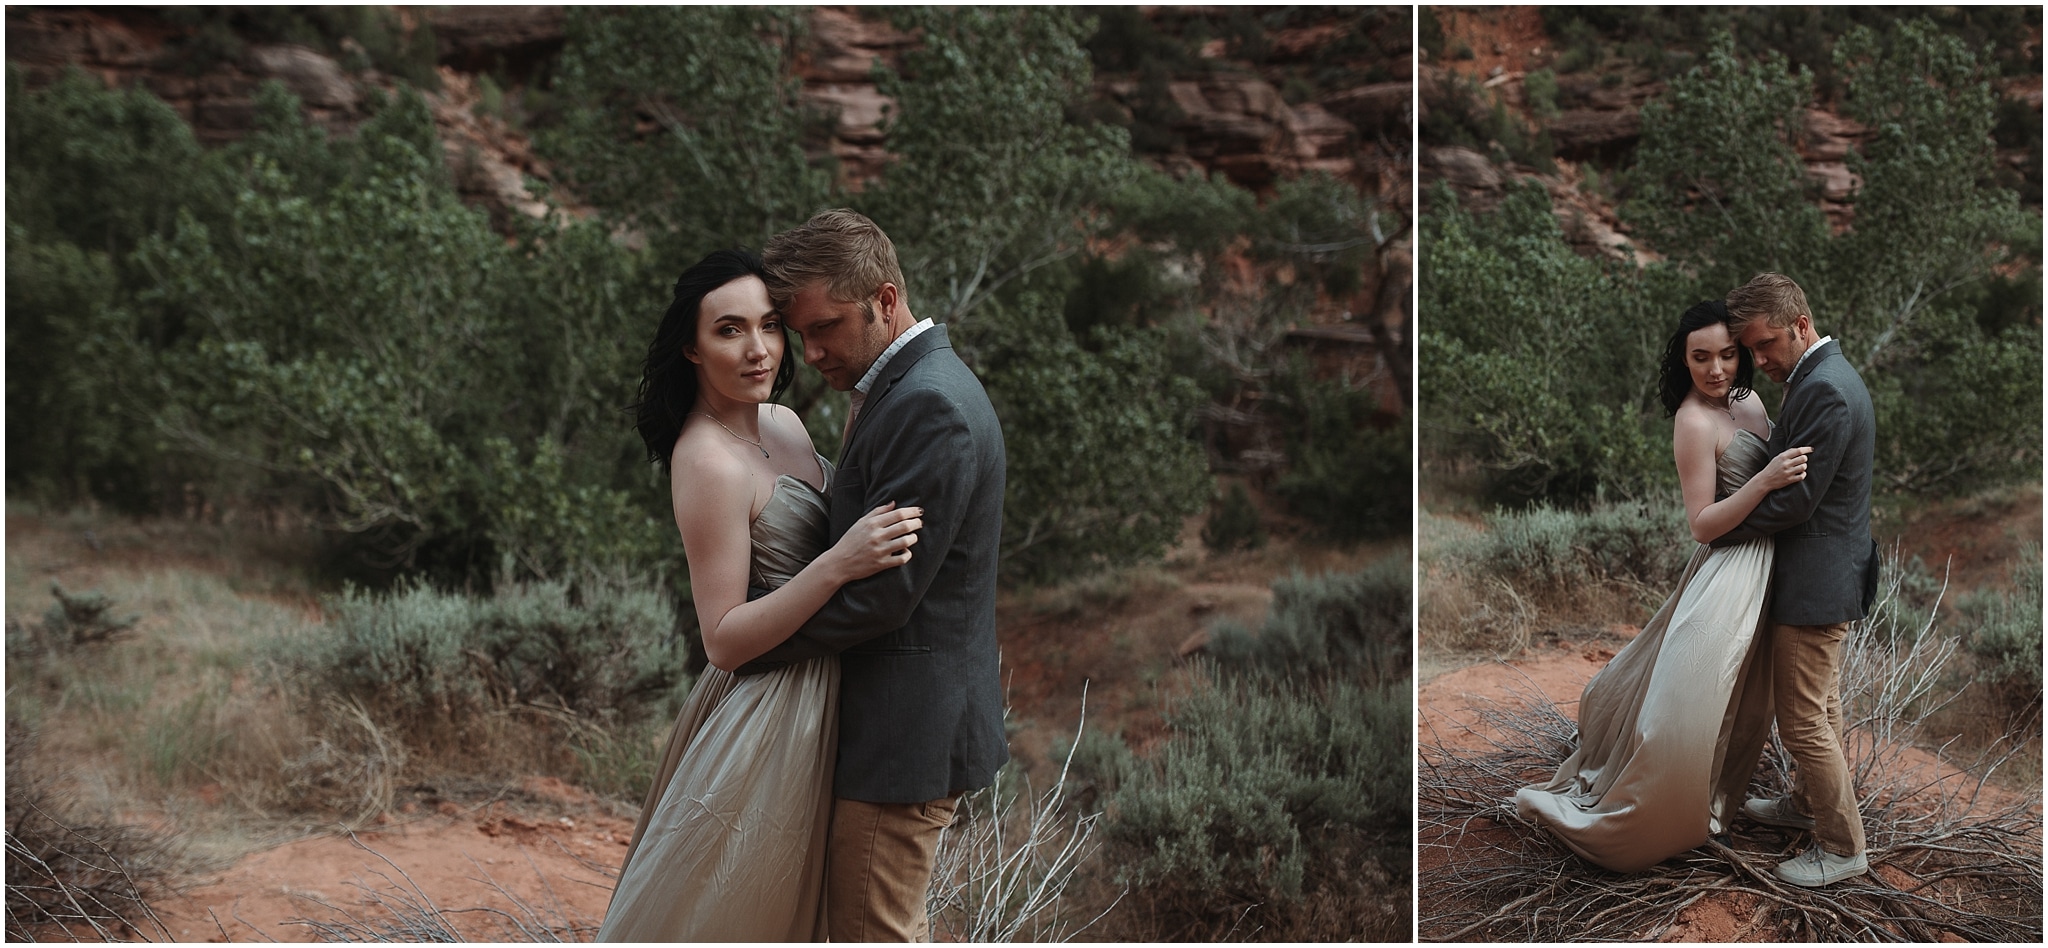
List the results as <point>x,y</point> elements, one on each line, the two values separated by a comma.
<point>739,342</point>
<point>1711,357</point>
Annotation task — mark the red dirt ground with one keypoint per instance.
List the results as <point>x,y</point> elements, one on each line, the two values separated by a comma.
<point>560,866</point>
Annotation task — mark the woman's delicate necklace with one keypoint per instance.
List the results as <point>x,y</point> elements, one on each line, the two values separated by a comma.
<point>715,421</point>
<point>1726,405</point>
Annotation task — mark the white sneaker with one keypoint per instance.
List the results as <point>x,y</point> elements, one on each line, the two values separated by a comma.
<point>1817,867</point>
<point>1777,811</point>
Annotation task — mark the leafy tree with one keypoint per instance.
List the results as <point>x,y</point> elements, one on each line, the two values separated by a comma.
<point>63,437</point>
<point>1101,467</point>
<point>90,173</point>
<point>1719,189</point>
<point>1541,362</point>
<point>99,169</point>
<point>991,178</point>
<point>1960,399</point>
<point>684,122</point>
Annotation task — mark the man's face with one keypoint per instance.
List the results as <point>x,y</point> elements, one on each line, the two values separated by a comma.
<point>1776,350</point>
<point>840,341</point>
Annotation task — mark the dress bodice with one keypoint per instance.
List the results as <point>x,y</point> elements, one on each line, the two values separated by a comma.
<point>794,527</point>
<point>1745,455</point>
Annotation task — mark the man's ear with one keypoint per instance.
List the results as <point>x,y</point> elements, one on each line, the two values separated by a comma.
<point>888,300</point>
<point>1804,326</point>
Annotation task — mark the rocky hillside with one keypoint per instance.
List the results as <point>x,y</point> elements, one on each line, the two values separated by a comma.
<point>490,64</point>
<point>1592,120</point>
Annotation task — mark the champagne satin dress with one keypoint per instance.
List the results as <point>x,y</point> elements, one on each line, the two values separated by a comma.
<point>731,842</point>
<point>1660,764</point>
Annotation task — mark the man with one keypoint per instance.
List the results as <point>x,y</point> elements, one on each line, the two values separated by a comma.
<point>1824,575</point>
<point>920,706</point>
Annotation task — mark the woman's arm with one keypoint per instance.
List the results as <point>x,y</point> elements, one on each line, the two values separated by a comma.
<point>1693,438</point>
<point>713,495</point>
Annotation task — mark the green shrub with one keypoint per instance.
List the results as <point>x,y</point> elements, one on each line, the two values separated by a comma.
<point>84,618</point>
<point>2003,629</point>
<point>1459,114</point>
<point>1555,549</point>
<point>724,164</point>
<point>1354,625</point>
<point>432,664</point>
<point>1234,523</point>
<point>1349,469</point>
<point>1540,90</point>
<point>1267,793</point>
<point>1285,777</point>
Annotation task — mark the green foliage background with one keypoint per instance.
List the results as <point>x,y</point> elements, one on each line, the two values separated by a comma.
<point>319,322</point>
<point>1541,364</point>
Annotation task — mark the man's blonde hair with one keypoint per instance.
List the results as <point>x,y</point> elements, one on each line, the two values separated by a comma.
<point>1771,297</point>
<point>839,248</point>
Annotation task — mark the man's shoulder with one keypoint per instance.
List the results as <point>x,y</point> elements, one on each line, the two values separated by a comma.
<point>940,370</point>
<point>1835,373</point>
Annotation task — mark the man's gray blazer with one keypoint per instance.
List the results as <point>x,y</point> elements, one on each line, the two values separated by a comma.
<point>1826,565</point>
<point>920,700</point>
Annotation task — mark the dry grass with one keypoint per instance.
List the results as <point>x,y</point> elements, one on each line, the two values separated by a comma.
<point>1952,856</point>
<point>183,724</point>
<point>1466,613</point>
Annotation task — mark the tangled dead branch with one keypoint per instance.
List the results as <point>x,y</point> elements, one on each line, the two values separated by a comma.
<point>76,877</point>
<point>1951,857</point>
<point>1002,870</point>
<point>74,882</point>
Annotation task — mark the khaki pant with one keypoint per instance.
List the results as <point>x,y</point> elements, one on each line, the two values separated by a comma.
<point>1806,681</point>
<point>878,867</point>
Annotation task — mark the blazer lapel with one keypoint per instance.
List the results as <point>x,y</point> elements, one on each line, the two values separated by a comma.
<point>899,365</point>
<point>1828,351</point>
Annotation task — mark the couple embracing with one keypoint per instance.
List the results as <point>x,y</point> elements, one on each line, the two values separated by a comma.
<point>1670,730</point>
<point>848,611</point>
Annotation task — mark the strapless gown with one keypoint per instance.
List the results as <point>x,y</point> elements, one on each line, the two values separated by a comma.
<point>1660,764</point>
<point>731,842</point>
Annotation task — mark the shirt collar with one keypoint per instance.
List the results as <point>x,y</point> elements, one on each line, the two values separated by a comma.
<point>875,371</point>
<point>1810,350</point>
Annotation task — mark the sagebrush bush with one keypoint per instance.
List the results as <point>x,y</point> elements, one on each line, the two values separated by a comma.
<point>1268,791</point>
<point>1353,624</point>
<point>1551,548</point>
<point>2003,629</point>
<point>429,663</point>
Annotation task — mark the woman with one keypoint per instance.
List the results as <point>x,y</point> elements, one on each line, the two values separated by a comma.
<point>731,841</point>
<point>1657,769</point>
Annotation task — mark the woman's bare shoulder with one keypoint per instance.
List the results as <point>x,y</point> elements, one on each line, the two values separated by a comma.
<point>1693,420</point>
<point>782,423</point>
<point>701,462</point>
<point>1749,411</point>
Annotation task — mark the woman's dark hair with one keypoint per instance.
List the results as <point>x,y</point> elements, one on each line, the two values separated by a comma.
<point>1675,380</point>
<point>668,379</point>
